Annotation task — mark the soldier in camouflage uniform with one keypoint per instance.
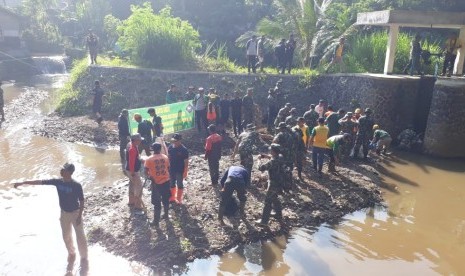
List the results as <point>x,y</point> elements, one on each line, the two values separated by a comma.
<point>311,117</point>
<point>348,125</point>
<point>275,168</point>
<point>286,139</point>
<point>291,120</point>
<point>283,113</point>
<point>247,143</point>
<point>364,134</point>
<point>300,148</point>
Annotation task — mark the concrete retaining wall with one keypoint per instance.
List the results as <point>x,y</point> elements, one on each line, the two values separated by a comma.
<point>397,101</point>
<point>445,132</point>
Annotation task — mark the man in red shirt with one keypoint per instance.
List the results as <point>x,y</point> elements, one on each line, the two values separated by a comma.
<point>133,165</point>
<point>213,153</point>
<point>157,166</point>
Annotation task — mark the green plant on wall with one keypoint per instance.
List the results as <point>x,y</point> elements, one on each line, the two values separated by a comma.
<point>157,40</point>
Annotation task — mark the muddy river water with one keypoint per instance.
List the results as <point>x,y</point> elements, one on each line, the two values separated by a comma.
<point>420,232</point>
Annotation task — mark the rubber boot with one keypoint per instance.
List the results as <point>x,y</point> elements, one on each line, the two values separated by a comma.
<point>179,196</point>
<point>165,212</point>
<point>221,214</point>
<point>173,194</point>
<point>332,167</point>
<point>156,219</point>
<point>242,209</point>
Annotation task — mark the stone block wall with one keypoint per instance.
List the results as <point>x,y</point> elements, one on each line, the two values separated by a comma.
<point>392,98</point>
<point>445,132</point>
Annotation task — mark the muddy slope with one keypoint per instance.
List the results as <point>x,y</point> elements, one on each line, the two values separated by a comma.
<point>193,230</point>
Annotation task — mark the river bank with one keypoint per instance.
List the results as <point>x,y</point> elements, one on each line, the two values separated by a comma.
<point>193,230</point>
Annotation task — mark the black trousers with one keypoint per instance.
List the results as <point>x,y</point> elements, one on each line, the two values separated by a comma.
<point>123,142</point>
<point>231,185</point>
<point>251,63</point>
<point>214,168</point>
<point>271,202</point>
<point>361,140</point>
<point>449,61</point>
<point>160,195</point>
<point>237,124</point>
<point>201,118</point>
<point>272,113</point>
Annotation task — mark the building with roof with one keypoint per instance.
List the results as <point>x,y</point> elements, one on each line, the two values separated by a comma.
<point>10,27</point>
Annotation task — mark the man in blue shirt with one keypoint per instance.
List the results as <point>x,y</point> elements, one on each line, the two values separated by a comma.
<point>71,200</point>
<point>179,159</point>
<point>236,178</point>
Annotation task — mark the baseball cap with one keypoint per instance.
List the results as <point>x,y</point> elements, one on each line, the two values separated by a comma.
<point>156,146</point>
<point>176,137</point>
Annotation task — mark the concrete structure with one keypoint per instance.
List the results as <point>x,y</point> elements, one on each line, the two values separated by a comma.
<point>395,19</point>
<point>10,26</point>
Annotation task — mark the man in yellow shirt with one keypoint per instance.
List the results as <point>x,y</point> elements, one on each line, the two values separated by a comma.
<point>318,141</point>
<point>337,56</point>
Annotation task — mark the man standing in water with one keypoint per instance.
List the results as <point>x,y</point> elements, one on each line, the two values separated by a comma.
<point>71,200</point>
<point>97,104</point>
<point>123,131</point>
<point>92,45</point>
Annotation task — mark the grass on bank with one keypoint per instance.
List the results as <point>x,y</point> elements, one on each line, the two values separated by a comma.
<point>71,102</point>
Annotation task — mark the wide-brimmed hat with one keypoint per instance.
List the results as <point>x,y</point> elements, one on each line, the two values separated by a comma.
<point>282,125</point>
<point>250,127</point>
<point>275,147</point>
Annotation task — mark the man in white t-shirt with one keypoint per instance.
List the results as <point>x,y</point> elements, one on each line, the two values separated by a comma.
<point>252,53</point>
<point>321,108</point>
<point>200,107</point>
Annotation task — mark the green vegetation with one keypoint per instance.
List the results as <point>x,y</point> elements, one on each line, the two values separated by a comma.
<point>157,40</point>
<point>367,53</point>
<point>71,101</point>
<point>202,35</point>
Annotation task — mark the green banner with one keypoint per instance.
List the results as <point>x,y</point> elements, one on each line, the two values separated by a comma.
<point>175,117</point>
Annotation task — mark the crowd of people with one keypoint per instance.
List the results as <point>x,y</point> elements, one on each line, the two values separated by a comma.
<point>321,130</point>
<point>283,52</point>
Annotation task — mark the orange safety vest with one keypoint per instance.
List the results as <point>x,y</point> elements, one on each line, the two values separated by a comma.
<point>158,166</point>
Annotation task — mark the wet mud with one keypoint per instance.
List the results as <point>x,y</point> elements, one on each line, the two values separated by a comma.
<point>193,231</point>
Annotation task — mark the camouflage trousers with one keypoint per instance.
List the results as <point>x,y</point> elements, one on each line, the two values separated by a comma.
<point>288,181</point>
<point>247,161</point>
<point>361,140</point>
<point>299,161</point>
<point>271,202</point>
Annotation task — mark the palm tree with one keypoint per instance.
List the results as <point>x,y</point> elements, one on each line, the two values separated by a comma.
<point>299,17</point>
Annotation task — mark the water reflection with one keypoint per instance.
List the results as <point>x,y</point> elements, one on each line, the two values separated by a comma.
<point>420,232</point>
<point>32,243</point>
